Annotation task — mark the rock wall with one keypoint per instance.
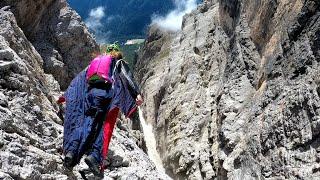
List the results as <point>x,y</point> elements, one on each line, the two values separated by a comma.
<point>235,94</point>
<point>57,33</point>
<point>29,126</point>
<point>42,42</point>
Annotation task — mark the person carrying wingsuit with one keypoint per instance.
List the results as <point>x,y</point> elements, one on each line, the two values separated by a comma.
<point>93,100</point>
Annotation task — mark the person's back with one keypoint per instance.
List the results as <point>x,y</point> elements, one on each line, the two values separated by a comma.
<point>93,135</point>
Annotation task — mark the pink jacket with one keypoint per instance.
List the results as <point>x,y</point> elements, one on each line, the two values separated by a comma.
<point>101,66</point>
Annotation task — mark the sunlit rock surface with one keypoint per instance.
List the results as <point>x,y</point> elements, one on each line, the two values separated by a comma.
<point>235,94</point>
<point>43,44</point>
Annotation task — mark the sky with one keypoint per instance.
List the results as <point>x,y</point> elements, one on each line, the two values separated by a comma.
<point>94,23</point>
<point>172,21</point>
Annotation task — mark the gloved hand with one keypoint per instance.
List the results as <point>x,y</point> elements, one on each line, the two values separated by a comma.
<point>61,100</point>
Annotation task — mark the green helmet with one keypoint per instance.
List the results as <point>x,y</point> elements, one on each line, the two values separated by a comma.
<point>113,47</point>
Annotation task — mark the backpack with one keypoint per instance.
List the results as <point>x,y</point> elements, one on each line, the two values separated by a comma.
<point>100,68</point>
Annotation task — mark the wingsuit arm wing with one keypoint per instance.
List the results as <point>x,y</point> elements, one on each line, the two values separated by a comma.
<point>125,72</point>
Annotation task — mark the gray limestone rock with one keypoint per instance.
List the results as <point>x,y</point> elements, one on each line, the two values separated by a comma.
<point>235,93</point>
<point>58,34</point>
<point>31,131</point>
<point>27,127</point>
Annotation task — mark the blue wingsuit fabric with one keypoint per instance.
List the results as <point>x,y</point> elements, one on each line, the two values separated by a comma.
<point>74,112</point>
<point>75,125</point>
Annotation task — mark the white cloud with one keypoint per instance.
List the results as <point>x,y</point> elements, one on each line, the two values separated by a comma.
<point>95,16</point>
<point>173,20</point>
<point>94,23</point>
<point>97,12</point>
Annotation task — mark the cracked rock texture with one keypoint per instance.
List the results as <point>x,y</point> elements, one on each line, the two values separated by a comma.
<point>57,33</point>
<point>235,94</point>
<point>41,43</point>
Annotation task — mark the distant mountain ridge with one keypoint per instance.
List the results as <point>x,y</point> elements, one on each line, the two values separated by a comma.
<point>124,19</point>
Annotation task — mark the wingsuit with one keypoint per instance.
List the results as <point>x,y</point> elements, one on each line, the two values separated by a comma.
<point>92,109</point>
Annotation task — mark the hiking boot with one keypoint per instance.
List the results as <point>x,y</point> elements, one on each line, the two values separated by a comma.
<point>68,160</point>
<point>93,165</point>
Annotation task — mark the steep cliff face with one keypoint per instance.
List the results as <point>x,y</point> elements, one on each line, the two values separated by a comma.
<point>235,94</point>
<point>42,42</point>
<point>57,33</point>
<point>29,126</point>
